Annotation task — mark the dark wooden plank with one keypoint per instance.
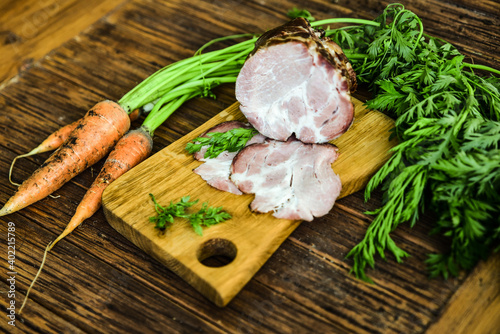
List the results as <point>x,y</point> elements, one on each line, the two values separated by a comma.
<point>31,28</point>
<point>87,300</point>
<point>97,281</point>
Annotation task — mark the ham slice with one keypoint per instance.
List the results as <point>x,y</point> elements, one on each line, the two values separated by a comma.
<point>298,82</point>
<point>292,179</point>
<point>216,171</point>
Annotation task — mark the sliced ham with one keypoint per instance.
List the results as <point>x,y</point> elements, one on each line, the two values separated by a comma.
<point>292,179</point>
<point>296,81</point>
<point>216,171</point>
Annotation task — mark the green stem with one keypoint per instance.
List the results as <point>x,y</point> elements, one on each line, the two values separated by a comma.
<point>220,39</point>
<point>153,121</point>
<point>147,90</point>
<point>482,67</point>
<point>344,20</point>
<point>229,60</point>
<point>355,55</point>
<point>229,68</point>
<point>191,86</point>
<point>195,81</point>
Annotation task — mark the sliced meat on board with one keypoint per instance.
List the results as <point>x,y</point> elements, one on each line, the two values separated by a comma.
<point>296,81</point>
<point>292,179</point>
<point>216,171</point>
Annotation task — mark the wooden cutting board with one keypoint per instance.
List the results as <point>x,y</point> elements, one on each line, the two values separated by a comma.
<point>249,239</point>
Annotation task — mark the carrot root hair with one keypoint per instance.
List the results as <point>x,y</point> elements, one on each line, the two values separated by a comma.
<point>33,152</point>
<point>47,249</point>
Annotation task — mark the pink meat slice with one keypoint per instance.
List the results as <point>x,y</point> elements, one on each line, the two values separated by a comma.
<point>292,179</point>
<point>216,171</point>
<point>296,81</point>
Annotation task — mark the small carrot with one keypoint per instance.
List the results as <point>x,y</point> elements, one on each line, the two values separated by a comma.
<point>50,143</point>
<point>56,139</point>
<point>90,141</point>
<point>130,150</point>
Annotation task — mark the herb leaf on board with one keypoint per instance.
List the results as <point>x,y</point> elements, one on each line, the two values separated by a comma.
<point>232,141</point>
<point>206,216</point>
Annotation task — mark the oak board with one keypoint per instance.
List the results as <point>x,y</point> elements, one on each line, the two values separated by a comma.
<point>248,239</point>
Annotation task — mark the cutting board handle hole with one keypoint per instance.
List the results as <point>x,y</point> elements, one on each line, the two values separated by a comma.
<point>216,253</point>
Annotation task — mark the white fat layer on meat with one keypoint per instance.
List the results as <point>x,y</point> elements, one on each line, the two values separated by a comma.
<point>216,172</point>
<point>309,99</point>
<point>291,179</point>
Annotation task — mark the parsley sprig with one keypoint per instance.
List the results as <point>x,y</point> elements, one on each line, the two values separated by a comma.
<point>232,141</point>
<point>448,125</point>
<point>206,216</point>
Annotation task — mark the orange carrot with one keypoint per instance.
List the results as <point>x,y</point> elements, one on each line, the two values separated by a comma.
<point>90,141</point>
<point>50,143</point>
<point>56,139</point>
<point>130,150</point>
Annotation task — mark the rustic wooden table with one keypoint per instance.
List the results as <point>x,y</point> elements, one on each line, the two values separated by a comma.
<point>59,57</point>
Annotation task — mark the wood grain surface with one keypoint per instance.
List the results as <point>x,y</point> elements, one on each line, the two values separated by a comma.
<point>96,281</point>
<point>32,28</point>
<point>248,239</point>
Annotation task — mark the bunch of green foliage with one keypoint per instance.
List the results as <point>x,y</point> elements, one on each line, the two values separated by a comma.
<point>447,120</point>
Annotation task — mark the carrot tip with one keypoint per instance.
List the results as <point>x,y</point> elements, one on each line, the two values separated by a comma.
<point>4,211</point>
<point>61,236</point>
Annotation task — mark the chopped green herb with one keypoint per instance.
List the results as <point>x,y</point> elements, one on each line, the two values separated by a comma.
<point>166,215</point>
<point>232,141</point>
<point>206,216</point>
